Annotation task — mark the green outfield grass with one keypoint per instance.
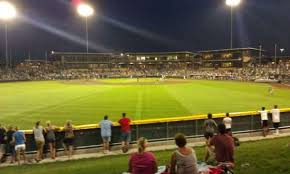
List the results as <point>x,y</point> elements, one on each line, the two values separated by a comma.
<point>86,102</point>
<point>263,157</point>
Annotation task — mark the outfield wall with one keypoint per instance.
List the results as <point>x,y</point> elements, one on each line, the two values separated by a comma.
<point>88,136</point>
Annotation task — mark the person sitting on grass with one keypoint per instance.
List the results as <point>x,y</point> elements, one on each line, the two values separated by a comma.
<point>142,162</point>
<point>183,160</point>
<point>224,147</point>
<point>19,141</point>
<point>39,140</point>
<point>209,153</point>
<point>50,138</point>
<point>69,136</point>
<point>106,132</point>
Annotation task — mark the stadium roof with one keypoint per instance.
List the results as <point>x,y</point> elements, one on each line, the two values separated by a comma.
<point>79,53</point>
<point>159,53</point>
<point>233,49</point>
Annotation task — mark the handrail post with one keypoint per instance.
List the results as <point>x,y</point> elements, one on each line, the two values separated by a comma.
<point>167,132</point>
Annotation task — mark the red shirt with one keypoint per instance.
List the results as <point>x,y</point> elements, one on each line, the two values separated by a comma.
<point>142,163</point>
<point>224,148</point>
<point>125,125</point>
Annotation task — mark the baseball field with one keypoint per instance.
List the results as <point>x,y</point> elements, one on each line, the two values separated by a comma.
<point>87,101</point>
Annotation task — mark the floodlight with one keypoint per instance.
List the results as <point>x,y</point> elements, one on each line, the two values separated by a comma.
<point>7,10</point>
<point>85,10</point>
<point>233,3</point>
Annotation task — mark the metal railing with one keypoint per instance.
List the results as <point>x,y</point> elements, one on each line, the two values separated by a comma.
<point>88,136</point>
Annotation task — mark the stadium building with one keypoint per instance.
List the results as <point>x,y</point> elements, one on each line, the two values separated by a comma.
<point>225,58</point>
<point>122,60</point>
<point>228,58</point>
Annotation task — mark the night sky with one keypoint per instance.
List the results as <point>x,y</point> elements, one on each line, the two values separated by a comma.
<point>146,25</point>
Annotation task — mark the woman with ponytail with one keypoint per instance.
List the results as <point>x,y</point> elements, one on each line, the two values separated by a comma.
<point>142,162</point>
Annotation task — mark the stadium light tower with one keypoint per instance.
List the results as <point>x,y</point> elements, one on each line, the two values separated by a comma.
<point>232,4</point>
<point>7,12</point>
<point>85,10</point>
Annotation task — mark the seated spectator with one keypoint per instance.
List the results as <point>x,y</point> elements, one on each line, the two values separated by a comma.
<point>183,160</point>
<point>50,138</point>
<point>209,153</point>
<point>224,146</point>
<point>39,140</point>
<point>142,162</point>
<point>19,141</point>
<point>10,143</point>
<point>68,138</point>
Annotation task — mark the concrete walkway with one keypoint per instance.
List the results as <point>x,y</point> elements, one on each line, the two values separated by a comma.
<point>194,142</point>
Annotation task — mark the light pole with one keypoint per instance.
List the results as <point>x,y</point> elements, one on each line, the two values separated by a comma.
<point>275,58</point>
<point>7,12</point>
<point>232,4</point>
<point>260,55</point>
<point>85,10</point>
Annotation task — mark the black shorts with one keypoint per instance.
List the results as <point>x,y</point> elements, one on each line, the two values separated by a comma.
<point>126,137</point>
<point>276,125</point>
<point>264,123</point>
<point>10,149</point>
<point>50,140</point>
<point>68,141</point>
<point>208,135</point>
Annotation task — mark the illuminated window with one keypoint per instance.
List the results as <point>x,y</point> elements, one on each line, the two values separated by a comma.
<point>227,64</point>
<point>208,56</point>
<point>227,56</point>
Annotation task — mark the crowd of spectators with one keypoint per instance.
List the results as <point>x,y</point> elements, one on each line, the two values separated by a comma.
<point>40,71</point>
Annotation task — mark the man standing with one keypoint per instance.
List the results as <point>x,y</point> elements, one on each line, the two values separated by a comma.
<point>106,132</point>
<point>209,126</point>
<point>19,141</point>
<point>264,121</point>
<point>276,118</point>
<point>2,144</point>
<point>224,147</point>
<point>125,132</point>
<point>228,123</point>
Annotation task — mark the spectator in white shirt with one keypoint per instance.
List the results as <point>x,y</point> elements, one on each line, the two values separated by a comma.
<point>276,118</point>
<point>228,123</point>
<point>264,121</point>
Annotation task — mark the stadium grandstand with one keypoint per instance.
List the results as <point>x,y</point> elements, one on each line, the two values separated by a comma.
<point>246,64</point>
